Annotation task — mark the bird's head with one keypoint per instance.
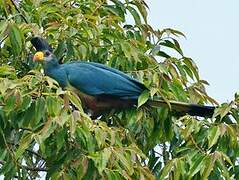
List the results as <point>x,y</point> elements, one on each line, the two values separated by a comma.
<point>44,56</point>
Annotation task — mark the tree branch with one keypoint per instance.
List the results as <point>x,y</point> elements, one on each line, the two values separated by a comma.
<point>33,168</point>
<point>30,151</point>
<point>2,40</point>
<point>15,6</point>
<point>195,144</point>
<point>25,129</point>
<point>2,162</point>
<point>27,167</point>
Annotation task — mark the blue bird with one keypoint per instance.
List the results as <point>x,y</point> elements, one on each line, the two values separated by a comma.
<point>102,88</point>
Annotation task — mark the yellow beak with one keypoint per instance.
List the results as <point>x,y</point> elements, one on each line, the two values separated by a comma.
<point>39,56</point>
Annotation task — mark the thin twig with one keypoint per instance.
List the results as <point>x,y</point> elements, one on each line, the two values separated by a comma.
<point>33,168</point>
<point>2,162</point>
<point>156,152</point>
<point>15,6</point>
<point>30,151</point>
<point>3,39</point>
<point>26,129</point>
<point>143,70</point>
<point>195,144</point>
<point>27,167</point>
<point>35,153</point>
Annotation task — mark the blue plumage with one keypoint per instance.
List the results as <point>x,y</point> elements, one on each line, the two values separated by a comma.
<point>94,79</point>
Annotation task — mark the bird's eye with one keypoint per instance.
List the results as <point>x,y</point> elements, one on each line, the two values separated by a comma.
<point>47,53</point>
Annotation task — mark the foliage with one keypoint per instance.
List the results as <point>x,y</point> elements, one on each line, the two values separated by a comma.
<point>41,131</point>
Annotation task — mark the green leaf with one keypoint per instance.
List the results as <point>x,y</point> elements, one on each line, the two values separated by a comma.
<point>85,137</point>
<point>162,68</point>
<point>8,169</point>
<point>100,136</point>
<point>28,116</point>
<point>142,9</point>
<point>82,169</point>
<point>7,71</point>
<point>60,139</point>
<point>143,98</point>
<point>192,66</point>
<point>53,106</point>
<point>180,169</point>
<point>111,175</point>
<point>15,39</point>
<point>233,135</point>
<point>126,48</point>
<point>74,99</point>
<point>3,29</point>
<point>26,102</point>
<point>225,170</point>
<point>163,54</point>
<point>227,159</point>
<point>39,111</point>
<point>73,123</point>
<point>61,50</point>
<point>213,135</point>
<point>115,10</point>
<point>134,149</point>
<point>126,162</point>
<point>101,159</point>
<point>168,129</point>
<point>209,164</point>
<point>197,165</point>
<point>24,144</point>
<point>178,91</point>
<point>172,45</point>
<point>189,72</point>
<point>223,110</point>
<point>177,46</point>
<point>174,32</point>
<point>70,50</point>
<point>10,104</point>
<point>167,169</point>
<point>48,128</point>
<point>135,15</point>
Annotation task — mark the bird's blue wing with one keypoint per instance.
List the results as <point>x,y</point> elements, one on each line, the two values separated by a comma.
<point>116,71</point>
<point>96,79</point>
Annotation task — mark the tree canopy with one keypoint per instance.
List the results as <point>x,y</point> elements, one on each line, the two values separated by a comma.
<point>41,135</point>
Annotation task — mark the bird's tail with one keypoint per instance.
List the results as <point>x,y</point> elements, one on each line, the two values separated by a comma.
<point>184,108</point>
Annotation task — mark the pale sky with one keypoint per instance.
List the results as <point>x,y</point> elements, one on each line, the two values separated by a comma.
<point>212,30</point>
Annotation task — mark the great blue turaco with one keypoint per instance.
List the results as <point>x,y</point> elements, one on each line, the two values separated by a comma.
<point>102,88</point>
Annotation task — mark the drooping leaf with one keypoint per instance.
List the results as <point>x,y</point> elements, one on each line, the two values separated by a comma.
<point>135,15</point>
<point>213,135</point>
<point>197,165</point>
<point>16,39</point>
<point>143,98</point>
<point>24,144</point>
